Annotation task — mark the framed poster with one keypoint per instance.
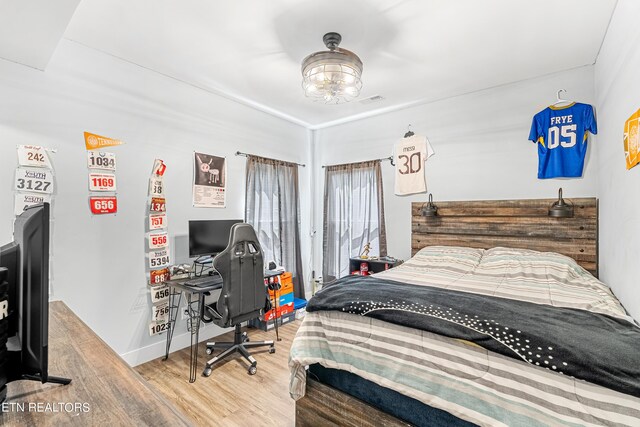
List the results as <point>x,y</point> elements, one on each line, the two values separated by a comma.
<point>209,181</point>
<point>632,140</point>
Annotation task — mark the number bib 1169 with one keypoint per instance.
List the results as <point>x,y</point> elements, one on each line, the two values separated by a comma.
<point>102,182</point>
<point>35,180</point>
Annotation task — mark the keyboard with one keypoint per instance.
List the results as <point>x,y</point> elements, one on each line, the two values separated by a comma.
<point>204,281</point>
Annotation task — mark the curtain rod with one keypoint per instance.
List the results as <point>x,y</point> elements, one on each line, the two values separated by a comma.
<point>238,153</point>
<point>390,158</point>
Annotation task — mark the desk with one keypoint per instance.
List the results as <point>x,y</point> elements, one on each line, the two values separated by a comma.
<point>195,305</point>
<point>114,392</point>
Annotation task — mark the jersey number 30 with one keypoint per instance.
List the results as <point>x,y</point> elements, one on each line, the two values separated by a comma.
<point>411,164</point>
<point>567,131</point>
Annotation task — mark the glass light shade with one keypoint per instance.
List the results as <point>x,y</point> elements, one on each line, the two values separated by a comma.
<point>332,76</point>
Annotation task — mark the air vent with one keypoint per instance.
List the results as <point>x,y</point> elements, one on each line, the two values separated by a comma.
<point>372,99</point>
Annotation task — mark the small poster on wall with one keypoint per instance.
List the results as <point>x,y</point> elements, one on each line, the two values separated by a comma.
<point>209,181</point>
<point>632,140</point>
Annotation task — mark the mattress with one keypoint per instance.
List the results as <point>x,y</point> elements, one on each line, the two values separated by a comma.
<point>465,380</point>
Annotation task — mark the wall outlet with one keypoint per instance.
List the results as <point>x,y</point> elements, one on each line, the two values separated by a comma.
<point>184,313</point>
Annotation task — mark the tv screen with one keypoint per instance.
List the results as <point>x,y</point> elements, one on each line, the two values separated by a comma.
<point>31,233</point>
<point>209,237</point>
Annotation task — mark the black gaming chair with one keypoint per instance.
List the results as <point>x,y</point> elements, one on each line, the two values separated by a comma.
<point>243,294</point>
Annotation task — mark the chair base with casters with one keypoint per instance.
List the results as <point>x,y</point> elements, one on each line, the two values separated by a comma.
<point>240,344</point>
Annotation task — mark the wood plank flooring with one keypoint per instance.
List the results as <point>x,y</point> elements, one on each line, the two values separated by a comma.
<point>230,396</point>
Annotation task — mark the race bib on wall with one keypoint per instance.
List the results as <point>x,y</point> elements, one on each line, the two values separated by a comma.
<point>33,156</point>
<point>158,204</point>
<point>23,201</point>
<point>35,180</point>
<point>102,182</point>
<point>158,277</point>
<point>156,187</point>
<point>159,259</point>
<point>157,221</point>
<point>159,294</point>
<point>101,160</point>
<point>103,205</point>
<point>160,312</point>
<point>156,328</point>
<point>158,240</point>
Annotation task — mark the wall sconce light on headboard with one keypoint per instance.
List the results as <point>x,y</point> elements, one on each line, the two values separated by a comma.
<point>560,209</point>
<point>430,210</point>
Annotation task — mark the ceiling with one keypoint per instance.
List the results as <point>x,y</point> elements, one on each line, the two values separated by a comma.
<point>413,51</point>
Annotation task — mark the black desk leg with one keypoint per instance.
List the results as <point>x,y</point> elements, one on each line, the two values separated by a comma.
<point>173,315</point>
<point>194,326</point>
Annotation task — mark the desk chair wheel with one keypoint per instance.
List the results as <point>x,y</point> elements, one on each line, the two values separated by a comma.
<point>208,350</point>
<point>272,350</point>
<point>252,370</point>
<point>207,371</point>
<point>245,337</point>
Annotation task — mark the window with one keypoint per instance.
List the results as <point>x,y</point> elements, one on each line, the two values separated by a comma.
<point>353,215</point>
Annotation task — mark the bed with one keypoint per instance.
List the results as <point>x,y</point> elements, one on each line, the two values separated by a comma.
<point>402,347</point>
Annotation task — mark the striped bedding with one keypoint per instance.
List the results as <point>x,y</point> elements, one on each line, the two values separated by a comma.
<point>466,380</point>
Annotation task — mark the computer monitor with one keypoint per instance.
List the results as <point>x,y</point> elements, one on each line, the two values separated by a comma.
<point>26,261</point>
<point>209,237</point>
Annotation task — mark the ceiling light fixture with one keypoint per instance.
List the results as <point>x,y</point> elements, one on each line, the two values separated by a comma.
<point>332,76</point>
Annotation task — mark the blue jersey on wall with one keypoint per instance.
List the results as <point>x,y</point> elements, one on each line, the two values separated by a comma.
<point>561,134</point>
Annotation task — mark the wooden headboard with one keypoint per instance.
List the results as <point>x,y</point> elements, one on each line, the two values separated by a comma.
<point>521,224</point>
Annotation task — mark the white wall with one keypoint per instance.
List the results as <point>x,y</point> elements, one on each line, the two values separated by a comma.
<point>481,146</point>
<point>99,262</point>
<point>618,96</point>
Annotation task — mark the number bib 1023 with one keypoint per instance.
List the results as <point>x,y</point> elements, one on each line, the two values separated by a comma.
<point>156,328</point>
<point>159,259</point>
<point>101,160</point>
<point>34,180</point>
<point>102,182</point>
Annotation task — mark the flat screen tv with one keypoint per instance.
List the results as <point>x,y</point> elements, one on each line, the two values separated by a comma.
<point>209,237</point>
<point>24,266</point>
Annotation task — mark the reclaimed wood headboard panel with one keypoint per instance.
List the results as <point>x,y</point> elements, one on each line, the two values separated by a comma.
<point>511,223</point>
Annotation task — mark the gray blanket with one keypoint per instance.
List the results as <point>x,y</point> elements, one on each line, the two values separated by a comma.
<point>601,349</point>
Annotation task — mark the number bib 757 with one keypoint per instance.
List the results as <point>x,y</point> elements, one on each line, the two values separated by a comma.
<point>34,180</point>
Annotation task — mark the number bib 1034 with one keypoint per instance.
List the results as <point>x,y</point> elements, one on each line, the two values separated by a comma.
<point>101,160</point>
<point>34,180</point>
<point>102,182</point>
<point>156,328</point>
<point>159,259</point>
<point>158,240</point>
<point>159,294</point>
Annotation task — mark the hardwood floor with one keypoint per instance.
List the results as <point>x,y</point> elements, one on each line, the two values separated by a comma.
<point>230,396</point>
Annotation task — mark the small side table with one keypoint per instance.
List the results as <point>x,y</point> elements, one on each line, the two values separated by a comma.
<point>375,265</point>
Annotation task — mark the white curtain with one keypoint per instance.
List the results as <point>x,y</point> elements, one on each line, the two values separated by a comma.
<point>353,215</point>
<point>272,207</point>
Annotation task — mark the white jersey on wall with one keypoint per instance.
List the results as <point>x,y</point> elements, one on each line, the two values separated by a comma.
<point>409,155</point>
